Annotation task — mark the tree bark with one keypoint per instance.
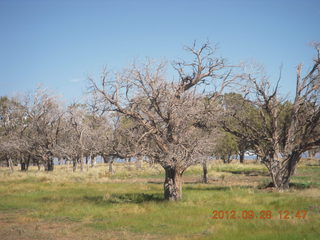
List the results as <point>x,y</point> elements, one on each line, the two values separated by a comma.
<point>241,156</point>
<point>281,173</point>
<point>172,184</point>
<point>205,171</point>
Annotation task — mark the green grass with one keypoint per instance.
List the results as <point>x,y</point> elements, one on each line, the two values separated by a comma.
<point>103,205</point>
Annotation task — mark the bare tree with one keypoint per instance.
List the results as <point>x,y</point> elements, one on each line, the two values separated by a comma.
<point>13,127</point>
<point>167,114</point>
<point>278,130</point>
<point>43,126</point>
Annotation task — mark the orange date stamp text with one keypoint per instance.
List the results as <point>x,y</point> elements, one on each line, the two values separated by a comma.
<point>263,214</point>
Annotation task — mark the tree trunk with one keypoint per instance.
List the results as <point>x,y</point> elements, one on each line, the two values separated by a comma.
<point>93,161</point>
<point>241,156</point>
<point>111,165</point>
<point>128,164</point>
<point>172,184</point>
<point>74,165</point>
<point>138,162</point>
<point>81,163</point>
<point>281,173</point>
<point>39,166</point>
<point>49,165</point>
<point>10,163</point>
<point>205,171</point>
<point>25,164</point>
<point>23,167</point>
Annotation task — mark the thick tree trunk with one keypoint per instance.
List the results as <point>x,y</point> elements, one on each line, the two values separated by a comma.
<point>205,171</point>
<point>241,156</point>
<point>172,184</point>
<point>281,173</point>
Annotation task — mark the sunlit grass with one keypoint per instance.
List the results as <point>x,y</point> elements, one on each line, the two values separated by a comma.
<point>99,202</point>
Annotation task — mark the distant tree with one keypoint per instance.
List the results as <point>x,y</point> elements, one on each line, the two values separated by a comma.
<point>312,153</point>
<point>236,145</point>
<point>43,126</point>
<point>13,148</point>
<point>226,147</point>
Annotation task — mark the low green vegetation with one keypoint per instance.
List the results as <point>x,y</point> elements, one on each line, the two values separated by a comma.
<point>129,204</point>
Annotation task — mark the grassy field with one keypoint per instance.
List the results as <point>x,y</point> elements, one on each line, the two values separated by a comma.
<point>129,204</point>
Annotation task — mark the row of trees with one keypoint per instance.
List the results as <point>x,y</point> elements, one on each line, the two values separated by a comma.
<point>139,113</point>
<point>36,129</point>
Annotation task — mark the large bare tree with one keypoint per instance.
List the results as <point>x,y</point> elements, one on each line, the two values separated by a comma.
<point>278,129</point>
<point>167,113</point>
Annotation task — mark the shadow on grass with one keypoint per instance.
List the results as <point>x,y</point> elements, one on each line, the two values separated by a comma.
<point>209,188</point>
<point>300,185</point>
<point>295,185</point>
<point>125,198</point>
<point>248,173</point>
<point>215,188</point>
<point>184,182</point>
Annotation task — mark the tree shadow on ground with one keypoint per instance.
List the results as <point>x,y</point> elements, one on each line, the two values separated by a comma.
<point>216,188</point>
<point>249,173</point>
<point>300,185</point>
<point>125,198</point>
<point>294,185</point>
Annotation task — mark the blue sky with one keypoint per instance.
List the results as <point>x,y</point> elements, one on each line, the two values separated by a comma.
<point>59,43</point>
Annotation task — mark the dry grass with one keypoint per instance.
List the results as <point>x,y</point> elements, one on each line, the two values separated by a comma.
<point>128,204</point>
